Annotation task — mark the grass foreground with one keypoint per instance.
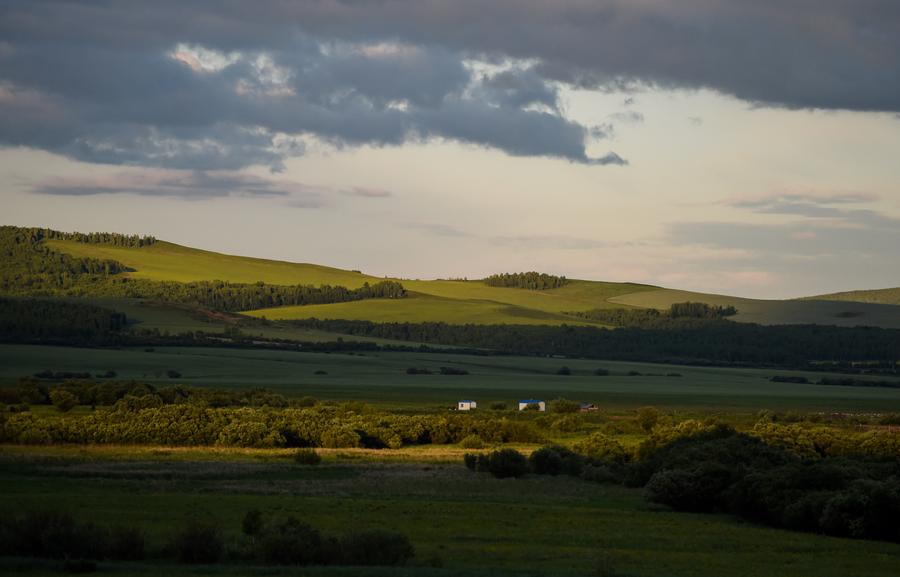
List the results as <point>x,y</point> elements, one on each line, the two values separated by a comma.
<point>460,523</point>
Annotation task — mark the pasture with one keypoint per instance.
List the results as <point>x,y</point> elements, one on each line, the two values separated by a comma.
<point>380,378</point>
<point>460,523</point>
<point>460,301</point>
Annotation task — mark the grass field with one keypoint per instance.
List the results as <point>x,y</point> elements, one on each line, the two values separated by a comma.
<point>380,378</point>
<point>773,312</point>
<point>888,296</point>
<point>473,301</point>
<point>468,524</point>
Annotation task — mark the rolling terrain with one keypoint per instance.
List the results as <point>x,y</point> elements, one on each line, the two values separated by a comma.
<point>461,302</point>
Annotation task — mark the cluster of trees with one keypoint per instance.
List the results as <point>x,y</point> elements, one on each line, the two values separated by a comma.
<point>266,540</point>
<point>234,297</point>
<point>29,320</point>
<point>30,268</point>
<point>111,238</point>
<point>134,395</point>
<point>720,470</point>
<point>720,343</point>
<point>526,280</point>
<point>145,420</point>
<point>679,316</point>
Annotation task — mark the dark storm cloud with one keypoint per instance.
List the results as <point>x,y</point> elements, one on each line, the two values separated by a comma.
<point>210,87</point>
<point>103,82</point>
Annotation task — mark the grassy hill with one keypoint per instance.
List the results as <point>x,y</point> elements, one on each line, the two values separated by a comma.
<point>888,296</point>
<point>435,300</point>
<point>775,312</point>
<point>460,302</point>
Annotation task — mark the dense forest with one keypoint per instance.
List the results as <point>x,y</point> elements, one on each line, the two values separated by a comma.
<point>39,320</point>
<point>526,280</point>
<point>679,315</point>
<point>720,343</point>
<point>30,268</point>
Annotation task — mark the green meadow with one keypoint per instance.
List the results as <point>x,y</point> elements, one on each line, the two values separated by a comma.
<point>460,523</point>
<point>380,378</point>
<point>460,301</point>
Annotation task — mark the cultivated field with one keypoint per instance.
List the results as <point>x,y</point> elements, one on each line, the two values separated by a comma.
<point>380,378</point>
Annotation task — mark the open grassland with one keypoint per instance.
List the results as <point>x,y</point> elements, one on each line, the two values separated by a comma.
<point>469,524</point>
<point>773,312</point>
<point>888,296</point>
<point>417,308</point>
<point>435,300</point>
<point>176,318</point>
<point>380,378</point>
<point>455,301</point>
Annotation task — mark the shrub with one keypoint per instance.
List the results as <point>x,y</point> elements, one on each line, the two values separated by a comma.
<point>564,406</point>
<point>601,447</point>
<point>289,541</point>
<point>498,406</point>
<point>555,460</point>
<point>63,400</point>
<point>507,463</point>
<point>252,523</point>
<point>173,374</point>
<point>306,401</point>
<point>599,474</point>
<point>471,461</point>
<point>320,372</point>
<point>52,535</point>
<point>307,457</point>
<point>563,371</point>
<point>647,417</point>
<point>472,442</point>
<point>601,372</point>
<point>375,548</point>
<point>699,489</point>
<point>197,543</point>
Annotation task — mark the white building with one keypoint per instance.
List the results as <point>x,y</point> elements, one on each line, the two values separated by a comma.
<point>466,405</point>
<point>525,403</point>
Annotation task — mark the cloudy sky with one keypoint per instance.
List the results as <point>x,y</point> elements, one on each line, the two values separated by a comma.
<point>751,148</point>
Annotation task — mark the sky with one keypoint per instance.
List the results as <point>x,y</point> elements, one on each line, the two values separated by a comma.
<point>747,148</point>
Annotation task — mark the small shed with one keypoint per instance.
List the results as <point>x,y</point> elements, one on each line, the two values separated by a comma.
<point>526,403</point>
<point>466,405</point>
<point>587,407</point>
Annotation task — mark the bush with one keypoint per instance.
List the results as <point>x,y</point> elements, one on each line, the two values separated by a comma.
<point>289,541</point>
<point>471,461</point>
<point>564,406</point>
<point>63,400</point>
<point>173,374</point>
<point>507,463</point>
<point>600,474</point>
<point>647,417</point>
<point>375,548</point>
<point>601,372</point>
<point>498,406</point>
<point>563,371</point>
<point>699,489</point>
<point>307,457</point>
<point>51,535</point>
<point>472,442</point>
<point>126,544</point>
<point>252,523</point>
<point>600,447</point>
<point>197,543</point>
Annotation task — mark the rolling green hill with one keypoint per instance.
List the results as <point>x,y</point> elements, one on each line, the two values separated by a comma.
<point>775,312</point>
<point>461,302</point>
<point>888,296</point>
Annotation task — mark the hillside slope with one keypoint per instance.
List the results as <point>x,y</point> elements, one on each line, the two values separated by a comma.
<point>888,296</point>
<point>775,312</point>
<point>460,302</point>
<point>433,300</point>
